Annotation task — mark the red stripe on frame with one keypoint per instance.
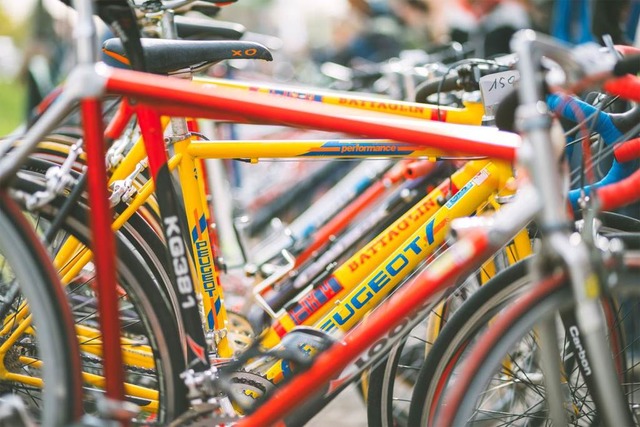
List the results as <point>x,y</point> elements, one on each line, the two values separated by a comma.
<point>153,138</point>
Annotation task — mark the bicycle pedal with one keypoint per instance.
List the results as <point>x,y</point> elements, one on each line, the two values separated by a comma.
<point>306,343</point>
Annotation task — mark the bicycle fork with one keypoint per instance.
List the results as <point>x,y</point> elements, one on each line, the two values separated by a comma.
<point>541,160</point>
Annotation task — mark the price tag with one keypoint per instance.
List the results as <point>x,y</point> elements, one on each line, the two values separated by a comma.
<point>495,87</point>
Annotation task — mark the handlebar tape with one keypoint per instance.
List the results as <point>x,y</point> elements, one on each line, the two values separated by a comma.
<point>433,86</point>
<point>627,87</point>
<point>621,193</point>
<point>603,123</point>
<point>627,151</point>
<point>627,65</point>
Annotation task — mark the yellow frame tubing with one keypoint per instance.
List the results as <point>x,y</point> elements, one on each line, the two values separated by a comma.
<point>95,380</point>
<point>208,277</point>
<point>73,256</point>
<point>363,262</point>
<point>313,149</point>
<point>352,304</point>
<point>471,114</point>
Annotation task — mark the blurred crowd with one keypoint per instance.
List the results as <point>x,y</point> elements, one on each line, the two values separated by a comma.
<point>376,30</point>
<point>366,30</point>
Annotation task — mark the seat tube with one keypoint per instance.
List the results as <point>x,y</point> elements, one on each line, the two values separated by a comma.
<point>173,220</point>
<point>207,274</point>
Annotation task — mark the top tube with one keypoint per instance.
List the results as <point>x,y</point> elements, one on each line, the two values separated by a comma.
<point>177,98</point>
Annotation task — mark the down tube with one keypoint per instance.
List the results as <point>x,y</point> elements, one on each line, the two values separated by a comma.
<point>461,258</point>
<point>173,220</point>
<point>314,305</point>
<point>352,306</point>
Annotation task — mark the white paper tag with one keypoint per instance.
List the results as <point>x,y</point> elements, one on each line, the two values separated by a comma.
<point>495,87</point>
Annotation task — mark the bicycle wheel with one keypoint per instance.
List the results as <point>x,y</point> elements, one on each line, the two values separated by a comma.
<point>392,382</point>
<point>152,349</point>
<point>516,394</point>
<point>40,357</point>
<point>473,315</point>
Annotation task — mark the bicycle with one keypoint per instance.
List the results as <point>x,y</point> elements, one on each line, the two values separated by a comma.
<point>183,91</point>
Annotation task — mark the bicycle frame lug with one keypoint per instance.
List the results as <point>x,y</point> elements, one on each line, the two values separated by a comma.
<point>87,81</point>
<point>170,140</point>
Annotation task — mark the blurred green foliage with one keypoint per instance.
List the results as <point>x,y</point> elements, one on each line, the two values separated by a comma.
<point>12,93</point>
<point>12,109</point>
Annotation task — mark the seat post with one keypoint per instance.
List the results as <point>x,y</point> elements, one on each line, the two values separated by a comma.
<point>168,26</point>
<point>85,33</point>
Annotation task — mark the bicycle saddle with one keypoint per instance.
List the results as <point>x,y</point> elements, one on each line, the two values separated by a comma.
<point>169,56</point>
<point>207,29</point>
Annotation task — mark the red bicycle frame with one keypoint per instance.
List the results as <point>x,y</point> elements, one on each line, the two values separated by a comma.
<point>153,96</point>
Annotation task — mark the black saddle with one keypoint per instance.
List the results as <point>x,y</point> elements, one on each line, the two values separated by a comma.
<point>169,56</point>
<point>207,29</point>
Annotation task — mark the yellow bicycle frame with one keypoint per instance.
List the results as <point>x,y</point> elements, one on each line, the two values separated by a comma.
<point>73,256</point>
<point>471,114</point>
<point>381,265</point>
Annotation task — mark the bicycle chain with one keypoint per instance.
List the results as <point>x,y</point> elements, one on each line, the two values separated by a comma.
<point>130,368</point>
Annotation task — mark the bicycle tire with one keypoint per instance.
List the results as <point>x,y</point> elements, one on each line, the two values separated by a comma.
<point>144,295</point>
<point>480,306</point>
<point>477,312</point>
<point>29,264</point>
<point>551,296</point>
<point>142,229</point>
<point>392,381</point>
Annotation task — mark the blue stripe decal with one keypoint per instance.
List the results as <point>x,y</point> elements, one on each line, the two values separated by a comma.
<point>210,320</point>
<point>429,231</point>
<point>203,223</point>
<point>194,234</point>
<point>217,305</point>
<point>286,368</point>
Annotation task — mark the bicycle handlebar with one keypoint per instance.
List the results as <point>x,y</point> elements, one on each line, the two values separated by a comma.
<point>625,191</point>
<point>627,87</point>
<point>627,65</point>
<point>621,193</point>
<point>603,124</point>
<point>430,87</point>
<point>627,151</point>
<point>601,121</point>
